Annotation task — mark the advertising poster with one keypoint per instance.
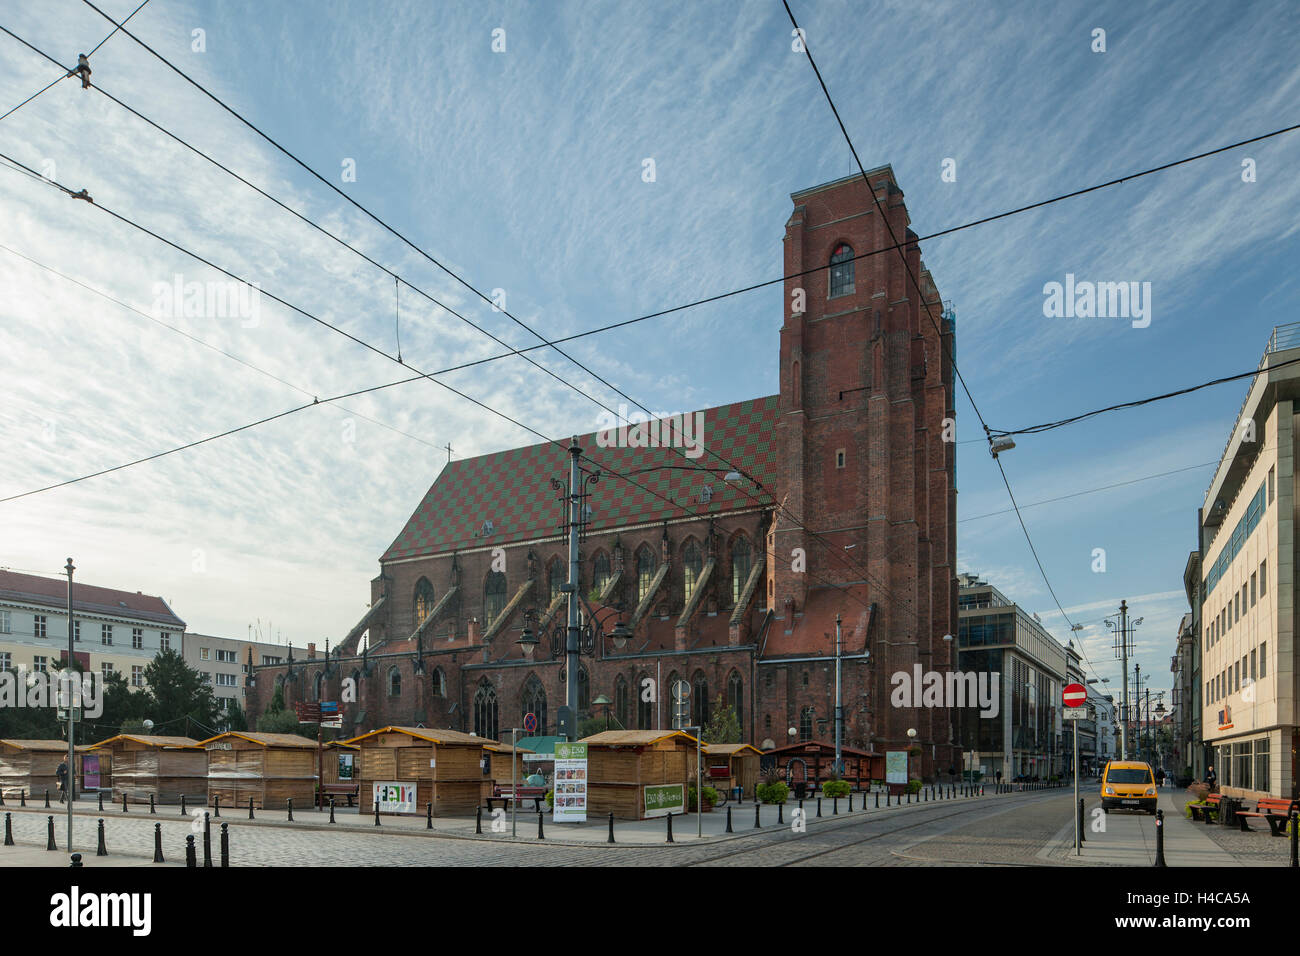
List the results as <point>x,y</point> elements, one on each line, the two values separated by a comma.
<point>345,766</point>
<point>896,766</point>
<point>570,783</point>
<point>395,797</point>
<point>663,799</point>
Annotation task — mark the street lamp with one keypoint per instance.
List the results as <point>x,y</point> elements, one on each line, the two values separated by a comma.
<point>603,701</point>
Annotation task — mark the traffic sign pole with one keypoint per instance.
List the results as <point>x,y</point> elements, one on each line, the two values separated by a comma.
<point>1075,698</point>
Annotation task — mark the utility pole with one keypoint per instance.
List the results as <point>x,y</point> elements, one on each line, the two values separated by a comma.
<point>571,638</point>
<point>839,708</point>
<point>1137,706</point>
<point>71,702</point>
<point>1123,649</point>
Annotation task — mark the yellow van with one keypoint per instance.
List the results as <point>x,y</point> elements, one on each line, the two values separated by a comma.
<point>1128,785</point>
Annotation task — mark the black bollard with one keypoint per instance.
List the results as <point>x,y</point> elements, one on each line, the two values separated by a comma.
<point>2,797</point>
<point>877,799</point>
<point>9,829</point>
<point>101,850</point>
<point>76,859</point>
<point>124,802</point>
<point>478,821</point>
<point>207,842</point>
<point>225,844</point>
<point>49,845</point>
<point>757,825</point>
<point>1081,826</point>
<point>47,798</point>
<point>1160,838</point>
<point>183,808</point>
<point>1295,838</point>
<point>611,824</point>
<point>377,813</point>
<point>291,809</point>
<point>250,808</point>
<point>801,804</point>
<point>670,827</point>
<point>729,830</point>
<point>151,807</point>
<point>819,806</point>
<point>22,798</point>
<point>925,794</point>
<point>780,814</point>
<point>428,815</point>
<point>216,807</point>
<point>850,801</point>
<point>541,831</point>
<point>157,843</point>
<point>190,860</point>
<point>331,809</point>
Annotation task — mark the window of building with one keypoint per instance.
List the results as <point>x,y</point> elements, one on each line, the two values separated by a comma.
<point>485,710</point>
<point>1242,758</point>
<point>40,664</point>
<point>438,683</point>
<point>317,687</point>
<point>600,572</point>
<point>137,675</point>
<point>692,564</point>
<point>1253,664</point>
<point>805,724</point>
<point>226,657</point>
<point>494,597</point>
<point>164,641</point>
<point>1270,484</point>
<point>842,270</point>
<point>137,638</point>
<point>76,630</point>
<point>741,564</point>
<point>106,669</point>
<point>106,635</point>
<point>38,625</point>
<point>1261,764</point>
<point>556,579</point>
<point>394,682</point>
<point>6,661</point>
<point>203,653</point>
<point>839,458</point>
<point>5,622</point>
<point>1263,660</point>
<point>736,699</point>
<point>533,701</point>
<point>622,701</point>
<point>767,721</point>
<point>805,678</point>
<point>1263,578</point>
<point>700,699</point>
<point>423,600</point>
<point>207,677</point>
<point>1252,590</point>
<point>584,691</point>
<point>268,659</point>
<point>645,572</point>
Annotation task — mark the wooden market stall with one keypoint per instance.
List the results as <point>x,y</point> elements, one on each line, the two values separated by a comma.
<point>30,767</point>
<point>269,769</point>
<point>413,766</point>
<point>165,768</point>
<point>810,762</point>
<point>622,763</point>
<point>741,761</point>
<point>500,762</point>
<point>339,764</point>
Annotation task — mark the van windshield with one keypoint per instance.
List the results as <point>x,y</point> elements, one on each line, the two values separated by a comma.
<point>1129,775</point>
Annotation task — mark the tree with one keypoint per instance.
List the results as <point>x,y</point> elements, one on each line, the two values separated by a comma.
<point>723,727</point>
<point>282,722</point>
<point>236,719</point>
<point>178,691</point>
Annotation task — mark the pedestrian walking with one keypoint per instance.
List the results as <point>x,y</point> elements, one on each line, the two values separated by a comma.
<point>1160,777</point>
<point>1211,778</point>
<point>62,774</point>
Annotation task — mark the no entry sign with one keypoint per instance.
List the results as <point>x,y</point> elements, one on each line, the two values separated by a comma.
<point>1074,695</point>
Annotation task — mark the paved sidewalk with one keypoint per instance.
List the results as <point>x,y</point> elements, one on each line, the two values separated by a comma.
<point>1128,838</point>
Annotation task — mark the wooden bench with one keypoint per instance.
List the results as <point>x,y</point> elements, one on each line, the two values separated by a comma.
<point>1210,807</point>
<point>506,793</point>
<point>1276,811</point>
<point>349,790</point>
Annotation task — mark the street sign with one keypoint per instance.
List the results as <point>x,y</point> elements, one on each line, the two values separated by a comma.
<point>1074,713</point>
<point>681,690</point>
<point>530,722</point>
<point>1074,695</point>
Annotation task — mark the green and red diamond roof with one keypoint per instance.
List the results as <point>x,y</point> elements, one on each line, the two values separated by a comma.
<point>512,489</point>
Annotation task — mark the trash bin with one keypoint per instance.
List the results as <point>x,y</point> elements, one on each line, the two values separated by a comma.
<point>737,793</point>
<point>800,789</point>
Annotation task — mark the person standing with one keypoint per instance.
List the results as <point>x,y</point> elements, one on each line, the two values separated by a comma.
<point>1211,778</point>
<point>1160,777</point>
<point>62,774</point>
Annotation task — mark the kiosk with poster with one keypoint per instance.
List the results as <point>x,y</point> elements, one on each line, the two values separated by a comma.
<point>570,783</point>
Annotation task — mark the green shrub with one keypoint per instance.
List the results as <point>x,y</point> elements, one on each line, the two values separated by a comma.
<point>835,788</point>
<point>914,786</point>
<point>773,792</point>
<point>550,798</point>
<point>710,798</point>
<point>1187,808</point>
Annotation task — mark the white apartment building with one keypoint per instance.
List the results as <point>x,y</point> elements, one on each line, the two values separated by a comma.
<point>113,631</point>
<point>1248,672</point>
<point>223,662</point>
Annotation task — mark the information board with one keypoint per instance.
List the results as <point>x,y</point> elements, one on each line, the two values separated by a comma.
<point>896,766</point>
<point>570,783</point>
<point>395,797</point>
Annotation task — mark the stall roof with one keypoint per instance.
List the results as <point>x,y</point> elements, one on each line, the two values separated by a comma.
<point>504,748</point>
<point>540,745</point>
<point>266,740</point>
<point>820,746</point>
<point>44,746</point>
<point>729,750</point>
<point>167,743</point>
<point>430,734</point>
<point>633,738</point>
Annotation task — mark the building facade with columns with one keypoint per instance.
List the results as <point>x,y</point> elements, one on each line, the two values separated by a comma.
<point>727,541</point>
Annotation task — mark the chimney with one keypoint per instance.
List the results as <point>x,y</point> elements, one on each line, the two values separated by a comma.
<point>473,630</point>
<point>311,652</point>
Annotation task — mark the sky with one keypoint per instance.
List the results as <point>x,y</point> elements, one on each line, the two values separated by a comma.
<point>521,170</point>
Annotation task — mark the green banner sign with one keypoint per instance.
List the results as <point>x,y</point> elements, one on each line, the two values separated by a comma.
<point>663,799</point>
<point>570,751</point>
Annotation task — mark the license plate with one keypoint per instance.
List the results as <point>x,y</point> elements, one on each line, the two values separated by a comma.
<point>1134,802</point>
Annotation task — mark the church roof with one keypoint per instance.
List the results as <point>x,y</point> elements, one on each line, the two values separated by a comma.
<point>512,490</point>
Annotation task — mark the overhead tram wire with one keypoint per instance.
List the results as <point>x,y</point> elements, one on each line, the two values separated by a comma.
<point>198,341</point>
<point>798,521</point>
<point>65,75</point>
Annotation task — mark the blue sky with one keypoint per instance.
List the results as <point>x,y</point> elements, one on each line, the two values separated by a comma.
<point>521,170</point>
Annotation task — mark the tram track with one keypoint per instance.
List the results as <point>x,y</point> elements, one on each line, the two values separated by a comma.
<point>933,815</point>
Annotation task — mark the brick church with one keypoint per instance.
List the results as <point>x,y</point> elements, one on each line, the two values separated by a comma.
<point>836,496</point>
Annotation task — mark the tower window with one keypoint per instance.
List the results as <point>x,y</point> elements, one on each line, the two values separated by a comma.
<point>839,458</point>
<point>842,270</point>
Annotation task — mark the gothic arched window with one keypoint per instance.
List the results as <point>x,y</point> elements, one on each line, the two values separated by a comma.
<point>645,572</point>
<point>394,682</point>
<point>841,270</point>
<point>438,683</point>
<point>494,597</point>
<point>645,709</point>
<point>622,709</point>
<point>584,691</point>
<point>533,701</point>
<point>423,600</point>
<point>555,574</point>
<point>806,724</point>
<point>318,692</point>
<point>485,710</point>
<point>735,698</point>
<point>600,572</point>
<point>742,562</point>
<point>700,699</point>
<point>692,563</point>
